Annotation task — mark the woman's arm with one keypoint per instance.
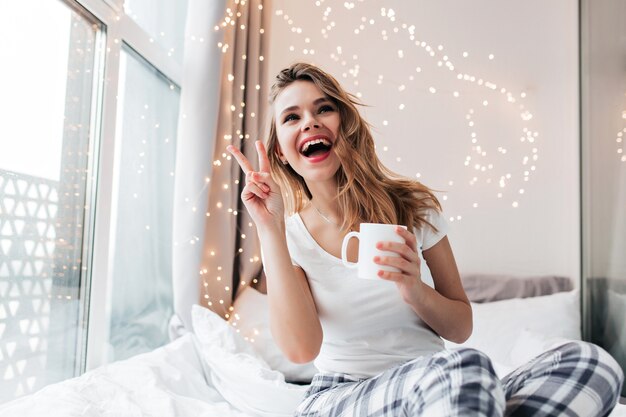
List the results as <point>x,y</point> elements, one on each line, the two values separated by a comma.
<point>445,308</point>
<point>294,322</point>
<point>293,316</point>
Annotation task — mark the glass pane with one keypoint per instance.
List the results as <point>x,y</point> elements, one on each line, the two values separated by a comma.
<point>46,106</point>
<point>604,127</point>
<point>142,299</point>
<point>163,20</point>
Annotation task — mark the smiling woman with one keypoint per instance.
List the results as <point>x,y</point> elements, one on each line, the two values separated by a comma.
<point>366,336</point>
<point>308,123</point>
<point>315,108</point>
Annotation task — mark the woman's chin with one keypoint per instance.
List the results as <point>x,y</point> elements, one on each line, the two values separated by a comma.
<point>313,177</point>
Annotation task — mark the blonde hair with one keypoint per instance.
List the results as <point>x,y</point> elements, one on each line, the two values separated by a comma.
<point>368,192</point>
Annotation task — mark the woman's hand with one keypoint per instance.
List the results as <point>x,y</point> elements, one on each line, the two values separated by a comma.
<point>408,280</point>
<point>261,195</point>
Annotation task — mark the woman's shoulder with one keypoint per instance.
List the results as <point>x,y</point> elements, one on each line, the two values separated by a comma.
<point>298,219</point>
<point>434,226</point>
<point>432,214</point>
<point>291,221</point>
<point>295,226</point>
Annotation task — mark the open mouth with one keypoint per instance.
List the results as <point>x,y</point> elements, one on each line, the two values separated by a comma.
<point>316,148</point>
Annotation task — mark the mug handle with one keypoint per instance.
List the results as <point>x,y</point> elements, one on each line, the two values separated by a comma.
<point>344,250</point>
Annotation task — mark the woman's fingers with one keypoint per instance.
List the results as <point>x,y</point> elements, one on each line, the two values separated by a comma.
<point>395,261</point>
<point>245,165</point>
<point>253,189</point>
<point>264,162</point>
<point>401,249</point>
<point>391,276</point>
<point>260,194</point>
<point>263,177</point>
<point>259,179</point>
<point>409,237</point>
<point>404,266</point>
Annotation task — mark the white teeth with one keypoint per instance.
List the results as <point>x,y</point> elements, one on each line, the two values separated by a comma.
<point>306,145</point>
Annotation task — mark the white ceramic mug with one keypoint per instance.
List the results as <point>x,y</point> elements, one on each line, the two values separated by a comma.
<point>369,235</point>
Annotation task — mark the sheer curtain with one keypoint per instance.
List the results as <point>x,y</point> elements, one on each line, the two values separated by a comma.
<point>141,287</point>
<point>216,249</point>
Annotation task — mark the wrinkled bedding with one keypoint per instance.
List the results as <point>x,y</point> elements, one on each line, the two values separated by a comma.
<point>206,375</point>
<point>169,381</point>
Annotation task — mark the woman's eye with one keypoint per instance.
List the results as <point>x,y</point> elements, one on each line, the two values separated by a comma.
<point>326,108</point>
<point>290,117</point>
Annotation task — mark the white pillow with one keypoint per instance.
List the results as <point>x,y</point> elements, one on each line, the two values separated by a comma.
<point>214,331</point>
<point>500,325</point>
<point>531,344</point>
<point>252,320</point>
<point>238,373</point>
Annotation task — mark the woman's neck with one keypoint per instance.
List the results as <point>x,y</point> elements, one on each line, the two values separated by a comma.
<point>324,200</point>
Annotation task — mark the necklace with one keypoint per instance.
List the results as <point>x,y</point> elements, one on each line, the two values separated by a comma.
<point>324,217</point>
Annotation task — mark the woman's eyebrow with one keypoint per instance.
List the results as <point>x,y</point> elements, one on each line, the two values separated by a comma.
<point>315,103</point>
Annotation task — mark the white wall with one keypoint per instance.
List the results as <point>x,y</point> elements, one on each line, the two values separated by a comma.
<point>535,51</point>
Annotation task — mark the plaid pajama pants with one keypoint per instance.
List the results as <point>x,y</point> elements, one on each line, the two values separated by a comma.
<point>575,379</point>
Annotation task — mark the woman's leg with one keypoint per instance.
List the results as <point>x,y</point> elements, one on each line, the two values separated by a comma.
<point>575,379</point>
<point>449,383</point>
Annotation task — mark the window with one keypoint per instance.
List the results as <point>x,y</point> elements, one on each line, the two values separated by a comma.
<point>163,20</point>
<point>88,139</point>
<point>45,210</point>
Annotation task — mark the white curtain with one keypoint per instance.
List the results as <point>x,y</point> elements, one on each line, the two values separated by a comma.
<point>195,144</point>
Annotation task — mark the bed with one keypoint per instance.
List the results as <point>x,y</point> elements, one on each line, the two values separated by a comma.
<point>233,368</point>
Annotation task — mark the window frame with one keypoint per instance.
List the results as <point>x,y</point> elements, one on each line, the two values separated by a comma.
<point>116,30</point>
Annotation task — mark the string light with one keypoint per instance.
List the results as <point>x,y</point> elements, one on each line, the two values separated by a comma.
<point>230,20</point>
<point>389,27</point>
<point>442,61</point>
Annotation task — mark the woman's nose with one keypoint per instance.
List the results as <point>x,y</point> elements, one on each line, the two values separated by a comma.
<point>310,122</point>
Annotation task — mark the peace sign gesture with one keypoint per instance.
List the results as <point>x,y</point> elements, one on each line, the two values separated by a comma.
<point>261,195</point>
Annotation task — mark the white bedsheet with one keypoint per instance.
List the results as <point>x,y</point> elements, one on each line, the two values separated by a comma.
<point>169,381</point>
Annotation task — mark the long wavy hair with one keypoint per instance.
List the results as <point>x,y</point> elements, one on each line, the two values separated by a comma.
<point>368,192</point>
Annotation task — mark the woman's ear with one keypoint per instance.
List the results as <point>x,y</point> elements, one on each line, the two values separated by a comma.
<point>281,156</point>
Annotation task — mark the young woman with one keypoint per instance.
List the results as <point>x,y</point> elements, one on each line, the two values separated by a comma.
<point>378,343</point>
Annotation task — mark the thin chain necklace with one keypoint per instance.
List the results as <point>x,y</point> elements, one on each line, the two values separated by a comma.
<point>324,217</point>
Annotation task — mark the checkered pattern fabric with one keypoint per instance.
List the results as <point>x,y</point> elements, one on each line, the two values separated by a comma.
<point>576,379</point>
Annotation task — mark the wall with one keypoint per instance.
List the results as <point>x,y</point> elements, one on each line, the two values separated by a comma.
<point>504,74</point>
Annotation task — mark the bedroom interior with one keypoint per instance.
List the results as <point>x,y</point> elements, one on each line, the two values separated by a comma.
<point>131,279</point>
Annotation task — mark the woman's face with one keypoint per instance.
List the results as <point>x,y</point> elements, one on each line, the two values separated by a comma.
<point>307,124</point>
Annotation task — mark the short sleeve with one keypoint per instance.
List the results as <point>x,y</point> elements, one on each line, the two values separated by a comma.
<point>430,237</point>
<point>291,235</point>
<point>293,261</point>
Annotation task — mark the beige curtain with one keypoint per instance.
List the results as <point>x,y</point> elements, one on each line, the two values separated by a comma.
<point>231,256</point>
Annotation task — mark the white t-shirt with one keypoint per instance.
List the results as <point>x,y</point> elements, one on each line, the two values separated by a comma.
<point>367,326</point>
